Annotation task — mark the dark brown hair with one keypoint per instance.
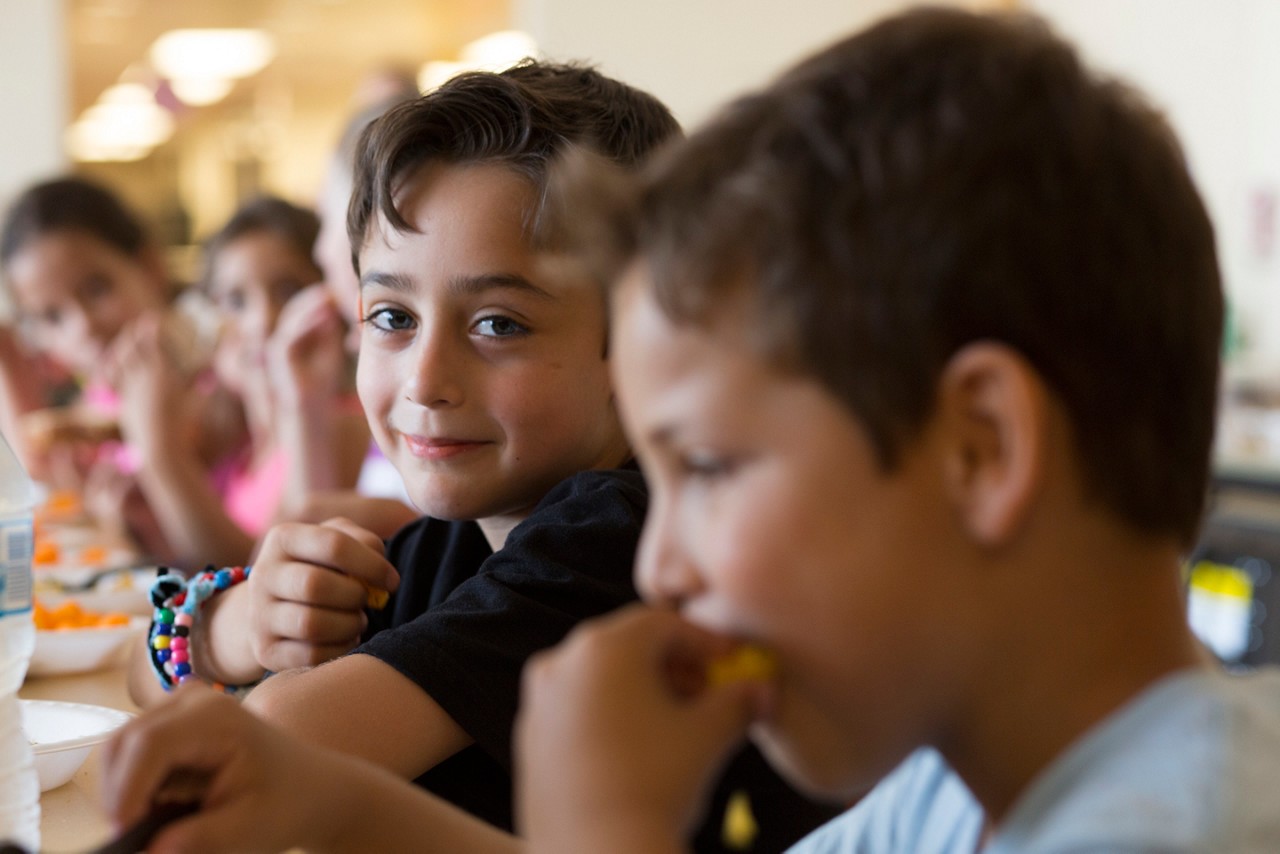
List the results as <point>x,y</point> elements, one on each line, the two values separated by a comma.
<point>296,226</point>
<point>522,118</point>
<point>944,178</point>
<point>70,204</point>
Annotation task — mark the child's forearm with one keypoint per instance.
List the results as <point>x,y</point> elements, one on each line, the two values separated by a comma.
<point>190,513</point>
<point>325,452</point>
<point>19,393</point>
<point>381,812</point>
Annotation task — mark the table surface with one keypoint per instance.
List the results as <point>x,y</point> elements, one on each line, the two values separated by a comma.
<point>70,816</point>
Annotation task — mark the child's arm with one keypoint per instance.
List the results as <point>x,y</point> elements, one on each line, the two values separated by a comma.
<point>20,393</point>
<point>363,707</point>
<point>267,791</point>
<point>620,734</point>
<point>190,513</point>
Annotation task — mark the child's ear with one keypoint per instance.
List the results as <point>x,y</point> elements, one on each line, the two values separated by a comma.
<point>993,406</point>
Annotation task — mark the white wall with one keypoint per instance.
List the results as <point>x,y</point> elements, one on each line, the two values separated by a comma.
<point>1214,67</point>
<point>693,54</point>
<point>33,68</point>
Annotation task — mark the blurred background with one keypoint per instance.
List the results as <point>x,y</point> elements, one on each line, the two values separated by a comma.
<point>134,93</point>
<point>188,108</point>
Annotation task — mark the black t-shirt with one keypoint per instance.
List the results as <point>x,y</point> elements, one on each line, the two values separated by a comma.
<point>465,619</point>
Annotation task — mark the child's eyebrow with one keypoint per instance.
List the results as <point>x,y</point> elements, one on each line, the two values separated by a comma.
<point>461,285</point>
<point>469,285</point>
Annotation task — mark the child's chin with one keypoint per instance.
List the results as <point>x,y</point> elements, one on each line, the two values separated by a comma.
<point>812,770</point>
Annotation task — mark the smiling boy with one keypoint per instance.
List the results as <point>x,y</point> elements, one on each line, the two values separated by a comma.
<point>484,376</point>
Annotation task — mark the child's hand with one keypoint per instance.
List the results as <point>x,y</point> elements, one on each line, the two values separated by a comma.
<point>262,791</point>
<point>143,370</point>
<point>620,732</point>
<point>305,355</point>
<point>309,589</point>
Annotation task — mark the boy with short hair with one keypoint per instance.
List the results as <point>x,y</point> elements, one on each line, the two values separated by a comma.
<point>918,350</point>
<point>483,372</point>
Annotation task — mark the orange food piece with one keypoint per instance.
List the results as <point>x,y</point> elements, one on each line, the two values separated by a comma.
<point>41,615</point>
<point>45,552</point>
<point>63,501</point>
<point>93,554</point>
<point>71,615</point>
<point>375,597</point>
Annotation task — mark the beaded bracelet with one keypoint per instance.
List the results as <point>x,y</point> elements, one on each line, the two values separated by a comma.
<point>176,600</point>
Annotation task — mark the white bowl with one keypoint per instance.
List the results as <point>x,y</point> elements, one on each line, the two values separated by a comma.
<point>127,592</point>
<point>60,651</point>
<point>63,734</point>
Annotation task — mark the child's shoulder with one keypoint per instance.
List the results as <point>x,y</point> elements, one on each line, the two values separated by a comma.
<point>621,484</point>
<point>1191,764</point>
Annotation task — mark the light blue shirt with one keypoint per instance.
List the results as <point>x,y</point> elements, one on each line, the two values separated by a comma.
<point>1193,764</point>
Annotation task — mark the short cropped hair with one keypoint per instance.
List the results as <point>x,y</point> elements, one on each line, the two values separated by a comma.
<point>522,118</point>
<point>945,178</point>
<point>296,226</point>
<point>70,204</point>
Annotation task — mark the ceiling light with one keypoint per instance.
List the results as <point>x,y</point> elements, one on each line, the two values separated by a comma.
<point>125,124</point>
<point>436,72</point>
<point>500,50</point>
<point>200,91</point>
<point>494,52</point>
<point>205,54</point>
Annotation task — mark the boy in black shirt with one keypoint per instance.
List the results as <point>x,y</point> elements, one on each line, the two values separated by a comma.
<point>484,375</point>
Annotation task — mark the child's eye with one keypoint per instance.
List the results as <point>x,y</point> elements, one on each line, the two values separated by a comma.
<point>96,287</point>
<point>705,466</point>
<point>497,326</point>
<point>389,320</point>
<point>49,317</point>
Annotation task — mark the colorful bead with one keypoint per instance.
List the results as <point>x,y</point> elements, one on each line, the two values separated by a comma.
<point>176,600</point>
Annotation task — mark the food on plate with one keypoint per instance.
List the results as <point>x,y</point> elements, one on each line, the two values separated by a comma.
<point>72,615</point>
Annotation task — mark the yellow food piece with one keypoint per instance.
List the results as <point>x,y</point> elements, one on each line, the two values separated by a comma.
<point>71,615</point>
<point>747,663</point>
<point>739,830</point>
<point>375,597</point>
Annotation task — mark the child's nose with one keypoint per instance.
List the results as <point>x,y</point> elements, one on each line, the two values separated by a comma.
<point>92,327</point>
<point>439,370</point>
<point>664,573</point>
